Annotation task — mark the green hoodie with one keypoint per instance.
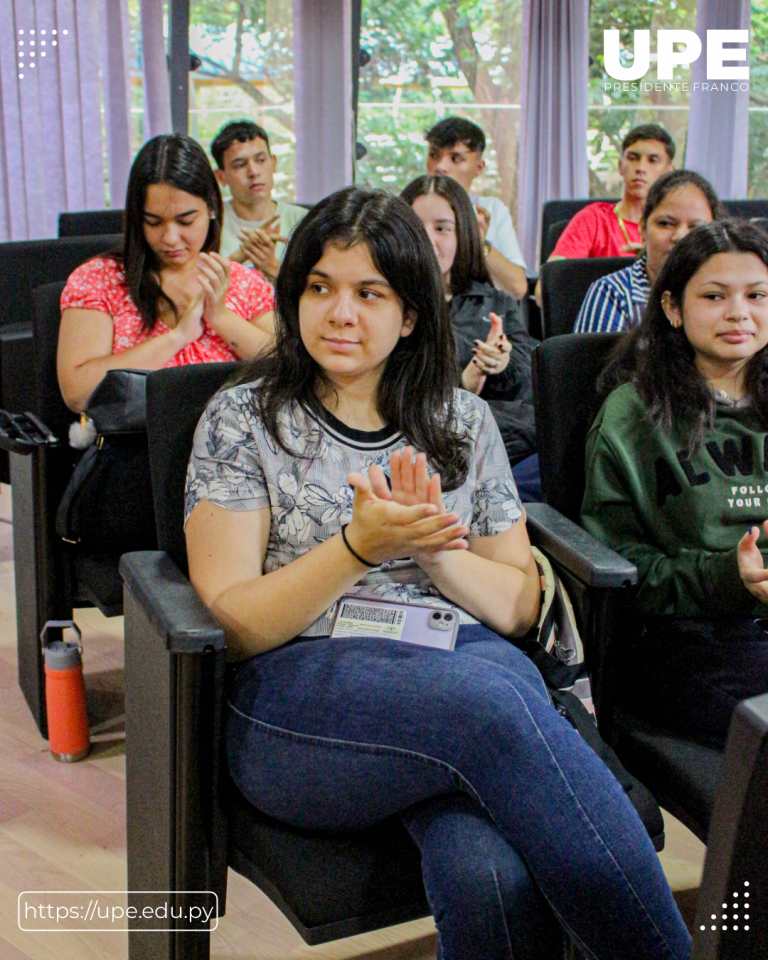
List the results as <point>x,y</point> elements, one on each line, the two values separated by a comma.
<point>677,519</point>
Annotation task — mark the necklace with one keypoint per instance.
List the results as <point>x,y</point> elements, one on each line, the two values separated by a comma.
<point>724,397</point>
<point>622,226</point>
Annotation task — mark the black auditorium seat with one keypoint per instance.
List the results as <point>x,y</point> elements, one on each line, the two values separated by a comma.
<point>681,773</point>
<point>186,821</point>
<point>85,223</point>
<point>25,265</point>
<point>52,577</point>
<point>553,211</point>
<point>564,285</point>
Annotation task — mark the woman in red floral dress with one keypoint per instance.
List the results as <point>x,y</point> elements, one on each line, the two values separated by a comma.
<point>167,298</point>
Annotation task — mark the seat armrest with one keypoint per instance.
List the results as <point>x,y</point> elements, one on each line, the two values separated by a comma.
<point>15,331</point>
<point>737,838</point>
<point>170,603</point>
<point>17,359</point>
<point>175,661</point>
<point>570,546</point>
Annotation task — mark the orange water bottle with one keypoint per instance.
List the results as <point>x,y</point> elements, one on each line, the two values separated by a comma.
<point>68,736</point>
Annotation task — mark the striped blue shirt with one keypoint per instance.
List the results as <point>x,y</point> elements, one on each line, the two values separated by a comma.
<point>615,302</point>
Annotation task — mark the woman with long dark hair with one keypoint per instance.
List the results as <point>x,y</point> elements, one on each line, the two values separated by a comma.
<point>677,203</point>
<point>317,535</point>
<point>677,481</point>
<point>167,298</point>
<point>493,347</point>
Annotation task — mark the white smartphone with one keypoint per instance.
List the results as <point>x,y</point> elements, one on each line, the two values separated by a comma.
<point>411,622</point>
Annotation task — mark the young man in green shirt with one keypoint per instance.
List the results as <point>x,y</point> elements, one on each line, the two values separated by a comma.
<point>255,226</point>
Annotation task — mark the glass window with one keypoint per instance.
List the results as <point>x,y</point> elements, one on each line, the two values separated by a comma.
<point>246,49</point>
<point>430,60</point>
<point>758,102</point>
<point>613,113</point>
<point>137,80</point>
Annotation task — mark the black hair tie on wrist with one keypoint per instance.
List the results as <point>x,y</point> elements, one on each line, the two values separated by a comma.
<point>354,552</point>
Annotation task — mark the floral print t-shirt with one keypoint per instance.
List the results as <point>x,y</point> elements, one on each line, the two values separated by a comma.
<point>237,465</point>
<point>99,284</point>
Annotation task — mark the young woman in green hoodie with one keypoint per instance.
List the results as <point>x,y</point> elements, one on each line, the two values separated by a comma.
<point>677,481</point>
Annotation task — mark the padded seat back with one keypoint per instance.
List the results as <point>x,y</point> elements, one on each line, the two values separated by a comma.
<point>564,285</point>
<point>555,210</point>
<point>747,208</point>
<point>86,223</point>
<point>737,844</point>
<point>46,320</point>
<point>565,371</point>
<point>176,398</point>
<point>31,263</point>
<point>554,233</point>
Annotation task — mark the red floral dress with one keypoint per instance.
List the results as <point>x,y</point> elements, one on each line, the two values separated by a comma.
<point>100,285</point>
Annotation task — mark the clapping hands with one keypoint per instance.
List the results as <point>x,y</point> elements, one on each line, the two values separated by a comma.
<point>489,359</point>
<point>259,245</point>
<point>190,324</point>
<point>752,570</point>
<point>213,273</point>
<point>406,518</point>
<point>483,222</point>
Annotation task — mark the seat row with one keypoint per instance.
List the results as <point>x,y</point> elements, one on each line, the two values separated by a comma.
<point>186,821</point>
<point>555,216</point>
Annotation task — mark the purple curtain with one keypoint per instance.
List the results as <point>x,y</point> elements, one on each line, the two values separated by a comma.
<point>157,102</point>
<point>81,144</point>
<point>717,144</point>
<point>51,147</point>
<point>116,82</point>
<point>322,84</point>
<point>553,130</point>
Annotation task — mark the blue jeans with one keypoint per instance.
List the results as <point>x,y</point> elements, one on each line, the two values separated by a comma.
<point>528,479</point>
<point>484,900</point>
<point>339,734</point>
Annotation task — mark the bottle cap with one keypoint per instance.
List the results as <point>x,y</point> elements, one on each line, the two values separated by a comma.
<point>60,655</point>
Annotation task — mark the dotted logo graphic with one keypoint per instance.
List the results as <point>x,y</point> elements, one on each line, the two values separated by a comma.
<point>31,46</point>
<point>739,915</point>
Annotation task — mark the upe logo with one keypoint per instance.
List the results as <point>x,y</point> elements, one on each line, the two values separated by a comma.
<point>668,58</point>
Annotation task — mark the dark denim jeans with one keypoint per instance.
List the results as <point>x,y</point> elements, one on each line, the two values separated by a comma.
<point>528,479</point>
<point>339,734</point>
<point>484,900</point>
<point>690,675</point>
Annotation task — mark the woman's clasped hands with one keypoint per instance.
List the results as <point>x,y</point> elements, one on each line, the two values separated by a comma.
<point>403,518</point>
<point>209,302</point>
<point>258,246</point>
<point>208,305</point>
<point>213,273</point>
<point>189,326</point>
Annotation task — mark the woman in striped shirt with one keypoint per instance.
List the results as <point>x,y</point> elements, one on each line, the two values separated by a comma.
<point>677,203</point>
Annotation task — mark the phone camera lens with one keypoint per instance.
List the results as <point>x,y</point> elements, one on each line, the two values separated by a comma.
<point>449,617</point>
<point>437,616</point>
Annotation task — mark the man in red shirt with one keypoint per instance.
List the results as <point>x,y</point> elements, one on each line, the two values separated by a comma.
<point>611,230</point>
